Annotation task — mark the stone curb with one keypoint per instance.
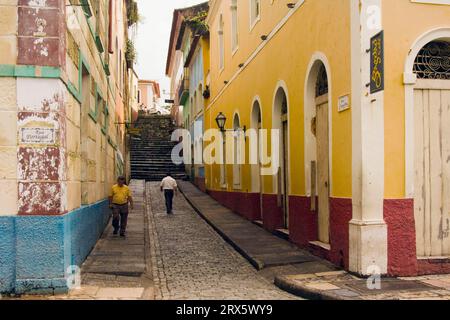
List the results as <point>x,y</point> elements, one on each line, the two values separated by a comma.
<point>302,291</point>
<point>149,292</point>
<point>154,248</point>
<point>257,264</point>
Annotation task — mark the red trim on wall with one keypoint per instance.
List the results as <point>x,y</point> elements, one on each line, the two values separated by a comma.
<point>272,214</point>
<point>244,204</point>
<point>341,213</point>
<point>402,253</point>
<point>432,266</point>
<point>303,222</point>
<point>402,256</point>
<point>304,228</point>
<point>200,183</point>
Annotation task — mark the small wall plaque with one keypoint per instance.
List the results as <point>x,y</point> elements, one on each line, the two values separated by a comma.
<point>344,103</point>
<point>37,135</point>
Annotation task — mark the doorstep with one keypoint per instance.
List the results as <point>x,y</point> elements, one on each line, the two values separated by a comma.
<point>282,233</point>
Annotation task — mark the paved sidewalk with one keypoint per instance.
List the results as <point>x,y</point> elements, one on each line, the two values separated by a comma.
<point>117,268</point>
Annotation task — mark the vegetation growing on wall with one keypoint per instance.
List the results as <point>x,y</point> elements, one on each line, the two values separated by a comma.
<point>130,53</point>
<point>132,13</point>
<point>198,22</point>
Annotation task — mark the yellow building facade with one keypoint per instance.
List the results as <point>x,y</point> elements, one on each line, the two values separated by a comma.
<point>188,66</point>
<point>339,81</point>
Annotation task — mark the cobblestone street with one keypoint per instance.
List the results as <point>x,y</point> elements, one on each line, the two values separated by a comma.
<point>191,261</point>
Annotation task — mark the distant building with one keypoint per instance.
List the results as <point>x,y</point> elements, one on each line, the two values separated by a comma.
<point>188,68</point>
<point>149,98</point>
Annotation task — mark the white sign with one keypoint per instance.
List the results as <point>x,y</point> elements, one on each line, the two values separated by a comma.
<point>344,103</point>
<point>37,135</point>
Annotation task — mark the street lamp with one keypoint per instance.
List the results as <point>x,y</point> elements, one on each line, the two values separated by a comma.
<point>221,120</point>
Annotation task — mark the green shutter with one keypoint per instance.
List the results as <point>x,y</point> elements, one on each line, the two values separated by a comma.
<point>86,7</point>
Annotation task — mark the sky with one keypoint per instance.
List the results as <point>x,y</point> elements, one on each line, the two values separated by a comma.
<point>153,37</point>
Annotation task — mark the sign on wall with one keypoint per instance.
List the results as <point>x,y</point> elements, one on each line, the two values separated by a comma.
<point>37,135</point>
<point>344,103</point>
<point>377,63</point>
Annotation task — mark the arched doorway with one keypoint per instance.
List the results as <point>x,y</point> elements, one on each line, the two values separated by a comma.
<point>257,182</point>
<point>280,121</point>
<point>432,150</point>
<point>320,128</point>
<point>317,143</point>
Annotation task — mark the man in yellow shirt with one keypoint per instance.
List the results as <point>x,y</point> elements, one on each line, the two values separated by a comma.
<point>119,198</point>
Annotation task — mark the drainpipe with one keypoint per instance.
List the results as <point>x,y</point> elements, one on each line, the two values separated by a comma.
<point>110,28</point>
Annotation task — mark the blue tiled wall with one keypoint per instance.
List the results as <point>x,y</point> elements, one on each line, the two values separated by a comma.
<point>35,251</point>
<point>7,254</point>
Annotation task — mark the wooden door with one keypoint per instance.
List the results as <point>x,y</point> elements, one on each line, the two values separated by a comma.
<point>238,141</point>
<point>432,172</point>
<point>260,179</point>
<point>285,183</point>
<point>323,170</point>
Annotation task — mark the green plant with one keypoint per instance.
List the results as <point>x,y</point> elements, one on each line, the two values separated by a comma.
<point>130,53</point>
<point>198,22</point>
<point>132,13</point>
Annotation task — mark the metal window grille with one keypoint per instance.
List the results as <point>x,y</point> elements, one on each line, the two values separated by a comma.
<point>433,61</point>
<point>322,82</point>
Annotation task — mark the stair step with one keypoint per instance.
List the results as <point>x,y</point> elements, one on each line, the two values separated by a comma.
<point>151,155</point>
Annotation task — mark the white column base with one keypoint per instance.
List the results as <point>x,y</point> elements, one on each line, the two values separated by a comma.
<point>368,247</point>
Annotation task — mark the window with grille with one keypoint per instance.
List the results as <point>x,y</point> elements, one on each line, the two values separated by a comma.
<point>433,61</point>
<point>322,82</point>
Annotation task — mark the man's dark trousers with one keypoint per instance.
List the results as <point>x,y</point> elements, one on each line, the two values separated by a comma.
<point>168,194</point>
<point>120,217</point>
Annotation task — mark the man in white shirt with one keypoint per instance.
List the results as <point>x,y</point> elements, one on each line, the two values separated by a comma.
<point>170,188</point>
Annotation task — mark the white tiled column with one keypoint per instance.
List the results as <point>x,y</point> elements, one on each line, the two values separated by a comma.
<point>368,230</point>
<point>8,146</point>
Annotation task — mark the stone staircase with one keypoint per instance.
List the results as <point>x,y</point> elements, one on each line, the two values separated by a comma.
<point>151,154</point>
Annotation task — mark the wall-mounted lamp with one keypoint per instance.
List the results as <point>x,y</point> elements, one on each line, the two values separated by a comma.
<point>225,82</point>
<point>221,119</point>
<point>291,5</point>
<point>241,65</point>
<point>263,37</point>
<point>206,93</point>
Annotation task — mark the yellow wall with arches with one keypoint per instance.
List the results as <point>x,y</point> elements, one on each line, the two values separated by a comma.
<point>284,59</point>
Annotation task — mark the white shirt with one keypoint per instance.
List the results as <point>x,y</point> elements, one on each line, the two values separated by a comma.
<point>168,183</point>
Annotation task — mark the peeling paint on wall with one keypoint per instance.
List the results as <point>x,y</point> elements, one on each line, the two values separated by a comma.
<point>40,198</point>
<point>37,3</point>
<point>39,163</point>
<point>41,95</point>
<point>41,158</point>
<point>41,36</point>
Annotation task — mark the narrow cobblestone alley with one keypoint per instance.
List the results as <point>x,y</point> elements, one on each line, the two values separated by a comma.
<point>191,261</point>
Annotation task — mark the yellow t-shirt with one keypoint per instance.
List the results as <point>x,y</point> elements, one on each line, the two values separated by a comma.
<point>120,195</point>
